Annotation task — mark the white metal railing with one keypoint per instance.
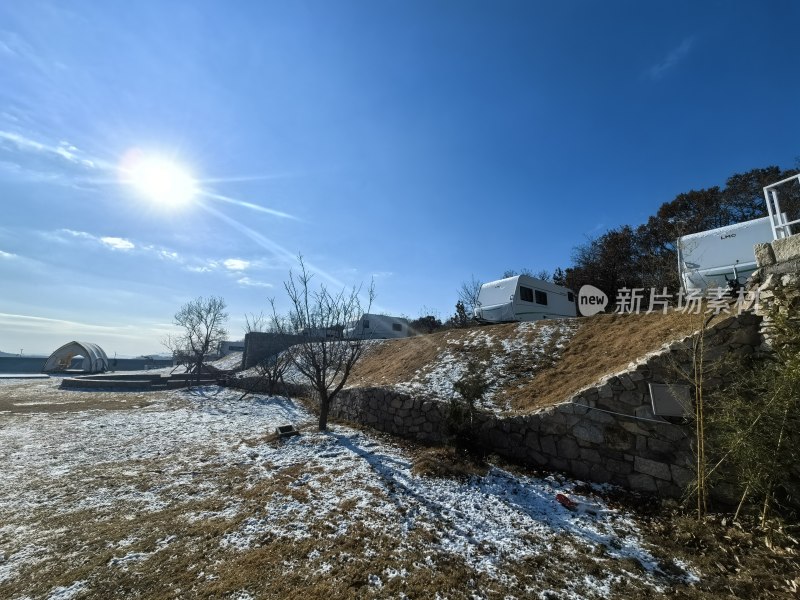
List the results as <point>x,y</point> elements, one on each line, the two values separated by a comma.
<point>781,227</point>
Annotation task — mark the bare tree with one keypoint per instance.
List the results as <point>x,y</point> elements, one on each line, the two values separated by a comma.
<point>202,323</point>
<point>272,367</point>
<point>513,273</point>
<point>324,358</point>
<point>543,274</point>
<point>255,322</point>
<point>180,356</point>
<point>468,294</point>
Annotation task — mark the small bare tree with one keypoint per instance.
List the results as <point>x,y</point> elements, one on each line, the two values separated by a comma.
<point>202,323</point>
<point>254,323</point>
<point>468,294</point>
<point>272,367</point>
<point>180,357</point>
<point>543,274</point>
<point>325,358</point>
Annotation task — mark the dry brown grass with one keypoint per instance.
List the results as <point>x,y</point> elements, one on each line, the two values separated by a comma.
<point>44,395</point>
<point>84,544</point>
<point>447,462</point>
<point>603,344</point>
<point>395,361</point>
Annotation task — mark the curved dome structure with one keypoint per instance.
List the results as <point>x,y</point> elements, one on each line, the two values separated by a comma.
<point>84,357</point>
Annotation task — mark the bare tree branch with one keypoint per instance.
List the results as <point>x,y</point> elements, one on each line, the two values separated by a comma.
<point>202,321</point>
<point>325,358</point>
<point>468,294</point>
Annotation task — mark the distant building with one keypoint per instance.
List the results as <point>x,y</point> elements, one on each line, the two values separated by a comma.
<point>81,357</point>
<point>227,347</point>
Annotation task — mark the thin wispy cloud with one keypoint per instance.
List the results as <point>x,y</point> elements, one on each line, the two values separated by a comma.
<point>673,58</point>
<point>596,228</point>
<point>249,205</point>
<point>289,259</point>
<point>6,49</point>
<point>207,268</point>
<point>65,150</point>
<point>231,266</point>
<point>76,234</point>
<point>12,44</point>
<point>20,49</point>
<point>166,254</point>
<point>108,241</point>
<point>236,264</point>
<point>28,323</point>
<point>7,255</point>
<point>249,282</point>
<point>117,243</point>
<point>246,178</point>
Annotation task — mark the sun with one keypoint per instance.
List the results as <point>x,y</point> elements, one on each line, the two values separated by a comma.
<point>161,181</point>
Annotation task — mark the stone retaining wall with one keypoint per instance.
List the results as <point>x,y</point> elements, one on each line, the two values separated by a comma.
<point>777,280</point>
<point>605,433</point>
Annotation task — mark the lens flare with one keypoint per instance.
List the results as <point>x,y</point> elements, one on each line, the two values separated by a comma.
<point>160,180</point>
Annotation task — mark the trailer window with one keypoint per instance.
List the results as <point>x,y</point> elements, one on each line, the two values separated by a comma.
<point>366,324</point>
<point>525,294</point>
<point>397,327</point>
<point>570,297</point>
<point>541,297</point>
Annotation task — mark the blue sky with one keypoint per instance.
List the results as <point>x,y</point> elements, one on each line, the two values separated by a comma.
<point>418,143</point>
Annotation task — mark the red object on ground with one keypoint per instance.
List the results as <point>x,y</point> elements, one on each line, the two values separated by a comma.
<point>566,502</point>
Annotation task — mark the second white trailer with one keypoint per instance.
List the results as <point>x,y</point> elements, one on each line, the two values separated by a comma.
<point>523,298</point>
<point>722,257</point>
<point>373,327</point>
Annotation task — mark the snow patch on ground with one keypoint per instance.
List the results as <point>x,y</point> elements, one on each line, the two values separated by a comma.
<point>331,484</point>
<point>490,521</point>
<point>133,557</point>
<point>27,554</point>
<point>532,344</point>
<point>67,593</point>
<point>229,362</point>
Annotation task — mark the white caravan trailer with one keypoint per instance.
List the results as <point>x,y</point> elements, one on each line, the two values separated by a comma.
<point>523,298</point>
<point>376,327</point>
<point>723,257</point>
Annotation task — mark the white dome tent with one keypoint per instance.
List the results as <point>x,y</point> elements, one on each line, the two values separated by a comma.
<point>84,357</point>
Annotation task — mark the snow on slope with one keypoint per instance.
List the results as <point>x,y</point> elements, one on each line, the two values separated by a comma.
<point>101,460</point>
<point>531,345</point>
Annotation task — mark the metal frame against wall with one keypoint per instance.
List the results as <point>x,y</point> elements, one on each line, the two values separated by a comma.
<point>781,228</point>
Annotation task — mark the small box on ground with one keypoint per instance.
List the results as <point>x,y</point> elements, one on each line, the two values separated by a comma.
<point>284,431</point>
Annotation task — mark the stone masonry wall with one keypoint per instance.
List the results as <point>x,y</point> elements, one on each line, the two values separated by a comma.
<point>777,279</point>
<point>778,282</point>
<point>605,433</point>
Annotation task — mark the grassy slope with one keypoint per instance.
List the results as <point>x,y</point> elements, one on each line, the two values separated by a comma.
<point>600,345</point>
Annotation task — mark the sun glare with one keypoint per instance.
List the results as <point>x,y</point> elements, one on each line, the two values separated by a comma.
<point>161,181</point>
